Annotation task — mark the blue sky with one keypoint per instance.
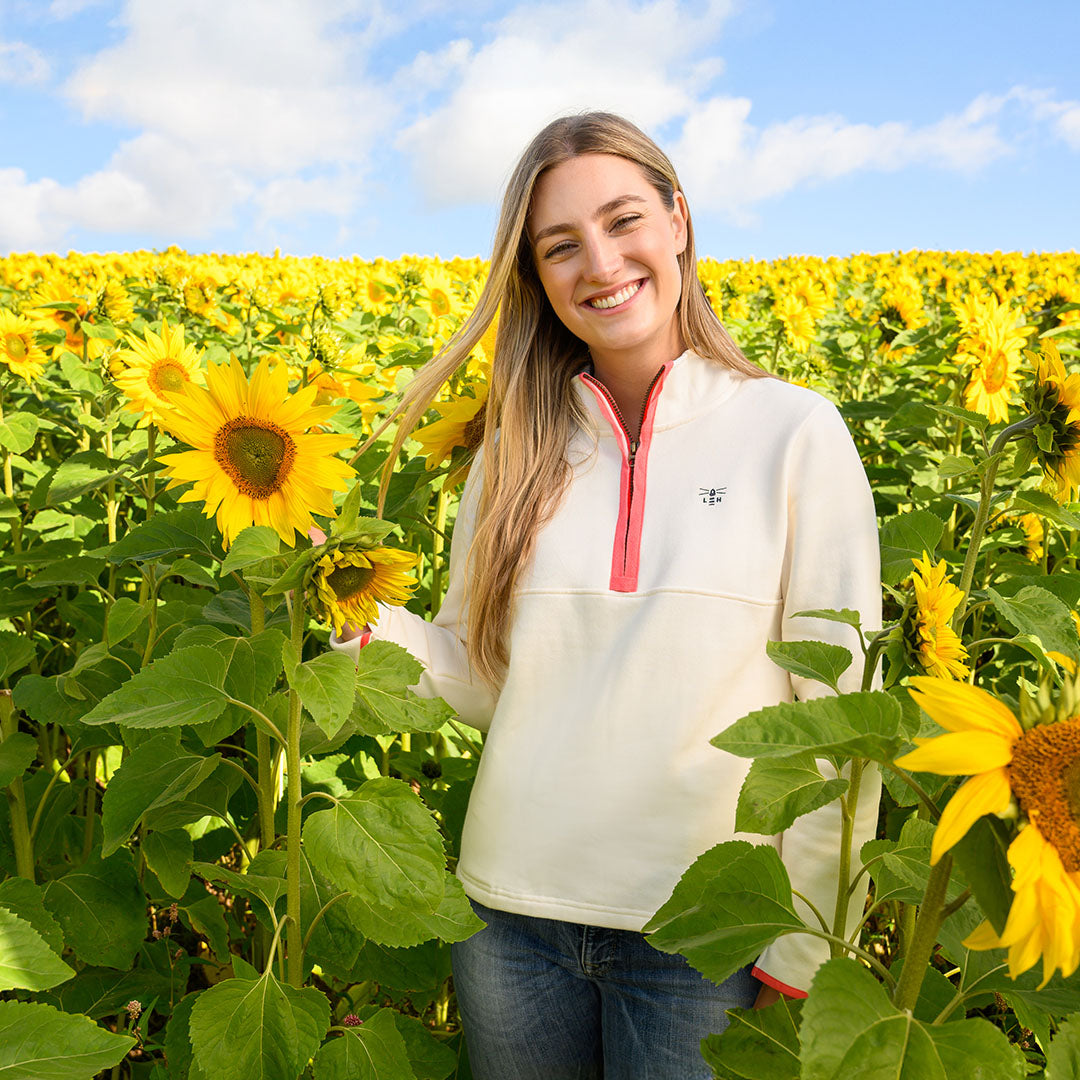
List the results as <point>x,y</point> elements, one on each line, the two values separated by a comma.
<point>341,127</point>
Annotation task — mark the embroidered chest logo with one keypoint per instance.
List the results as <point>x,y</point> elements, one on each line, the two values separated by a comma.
<point>712,496</point>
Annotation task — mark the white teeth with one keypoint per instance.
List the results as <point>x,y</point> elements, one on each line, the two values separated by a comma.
<point>619,298</point>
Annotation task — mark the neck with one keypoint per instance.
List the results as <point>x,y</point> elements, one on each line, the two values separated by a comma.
<point>628,378</point>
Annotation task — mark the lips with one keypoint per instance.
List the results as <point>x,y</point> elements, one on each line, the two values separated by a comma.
<point>602,303</point>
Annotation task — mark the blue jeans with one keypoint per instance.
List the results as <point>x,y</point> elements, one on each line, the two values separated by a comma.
<point>544,999</point>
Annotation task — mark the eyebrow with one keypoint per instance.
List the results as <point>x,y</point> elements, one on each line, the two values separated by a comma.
<point>601,211</point>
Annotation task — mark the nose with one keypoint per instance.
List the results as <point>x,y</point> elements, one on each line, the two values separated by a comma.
<point>603,259</point>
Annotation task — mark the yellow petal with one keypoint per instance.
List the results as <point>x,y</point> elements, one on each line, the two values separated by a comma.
<point>961,754</point>
<point>984,936</point>
<point>988,793</point>
<point>958,706</point>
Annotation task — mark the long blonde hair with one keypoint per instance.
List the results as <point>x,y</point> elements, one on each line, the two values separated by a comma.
<point>531,403</point>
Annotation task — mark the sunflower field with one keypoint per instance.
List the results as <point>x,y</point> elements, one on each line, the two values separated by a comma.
<point>227,851</point>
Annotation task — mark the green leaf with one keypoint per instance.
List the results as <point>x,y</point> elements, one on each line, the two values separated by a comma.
<point>384,703</point>
<point>816,660</point>
<point>777,791</point>
<point>430,1057</point>
<point>178,532</point>
<point>169,855</point>
<point>38,1042</point>
<point>293,577</point>
<point>80,473</point>
<point>264,880</point>
<point>366,530</point>
<point>205,916</point>
<point>326,686</point>
<point>1038,502</point>
<point>955,465</point>
<point>251,546</point>
<point>124,618</point>
<point>976,420</point>
<point>1040,614</point>
<point>18,431</point>
<point>851,1029</point>
<point>732,902</point>
<point>17,752</point>
<point>350,510</point>
<point>901,868</point>
<point>15,653</point>
<point>904,538</point>
<point>981,857</point>
<point>373,1051</point>
<point>102,909</point>
<point>843,615</point>
<point>26,961</point>
<point>185,687</point>
<point>257,1029</point>
<point>866,724</point>
<point>1063,1057</point>
<point>758,1044</point>
<point>82,570</point>
<point>26,899</point>
<point>383,846</point>
<point>178,1042</point>
<point>99,992</point>
<point>155,774</point>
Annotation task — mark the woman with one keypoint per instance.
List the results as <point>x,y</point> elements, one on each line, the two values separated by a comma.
<point>646,511</point>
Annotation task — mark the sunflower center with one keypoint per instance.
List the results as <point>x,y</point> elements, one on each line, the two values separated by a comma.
<point>1045,774</point>
<point>440,302</point>
<point>257,455</point>
<point>166,375</point>
<point>15,346</point>
<point>347,581</point>
<point>995,373</point>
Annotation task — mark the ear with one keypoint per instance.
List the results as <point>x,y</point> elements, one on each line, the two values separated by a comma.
<point>680,215</point>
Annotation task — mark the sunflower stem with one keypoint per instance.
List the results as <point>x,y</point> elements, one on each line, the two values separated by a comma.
<point>848,805</point>
<point>438,543</point>
<point>267,786</point>
<point>295,939</point>
<point>16,797</point>
<point>924,938</point>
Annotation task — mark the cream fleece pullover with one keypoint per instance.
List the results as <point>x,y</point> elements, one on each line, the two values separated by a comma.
<point>639,633</point>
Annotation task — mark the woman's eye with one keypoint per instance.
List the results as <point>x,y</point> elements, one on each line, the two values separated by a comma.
<point>558,249</point>
<point>625,220</point>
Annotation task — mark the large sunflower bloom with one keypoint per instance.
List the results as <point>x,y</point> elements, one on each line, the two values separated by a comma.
<point>349,584</point>
<point>797,320</point>
<point>1055,400</point>
<point>18,349</point>
<point>461,425</point>
<point>149,368</point>
<point>1039,769</point>
<point>254,462</point>
<point>933,644</point>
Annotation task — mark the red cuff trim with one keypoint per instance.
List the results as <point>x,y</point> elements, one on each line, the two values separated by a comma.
<point>365,637</point>
<point>776,984</point>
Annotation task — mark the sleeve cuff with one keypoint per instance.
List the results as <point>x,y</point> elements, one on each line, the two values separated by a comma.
<point>776,984</point>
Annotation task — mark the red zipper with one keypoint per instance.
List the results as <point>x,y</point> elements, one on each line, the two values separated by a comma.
<point>626,552</point>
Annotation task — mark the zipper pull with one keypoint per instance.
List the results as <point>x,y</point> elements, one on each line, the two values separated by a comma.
<point>633,449</point>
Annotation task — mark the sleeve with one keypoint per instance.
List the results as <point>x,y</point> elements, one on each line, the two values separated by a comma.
<point>832,561</point>
<point>440,644</point>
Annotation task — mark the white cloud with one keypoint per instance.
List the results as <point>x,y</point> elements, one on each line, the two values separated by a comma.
<point>22,64</point>
<point>728,165</point>
<point>548,59</point>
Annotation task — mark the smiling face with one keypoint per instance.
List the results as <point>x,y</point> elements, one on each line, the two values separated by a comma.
<point>606,250</point>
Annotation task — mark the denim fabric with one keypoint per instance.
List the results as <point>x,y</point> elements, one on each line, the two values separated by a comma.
<point>545,999</point>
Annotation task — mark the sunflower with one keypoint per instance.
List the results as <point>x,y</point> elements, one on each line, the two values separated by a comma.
<point>147,369</point>
<point>253,461</point>
<point>442,295</point>
<point>18,349</point>
<point>931,642</point>
<point>1039,768</point>
<point>461,425</point>
<point>1054,399</point>
<point>797,321</point>
<point>349,584</point>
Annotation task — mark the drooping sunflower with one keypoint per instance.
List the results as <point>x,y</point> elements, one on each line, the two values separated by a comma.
<point>253,460</point>
<point>18,349</point>
<point>348,584</point>
<point>461,425</point>
<point>930,640</point>
<point>1054,399</point>
<point>1039,768</point>
<point>149,368</point>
